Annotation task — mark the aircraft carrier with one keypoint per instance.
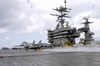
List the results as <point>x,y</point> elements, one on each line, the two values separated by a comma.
<point>60,36</point>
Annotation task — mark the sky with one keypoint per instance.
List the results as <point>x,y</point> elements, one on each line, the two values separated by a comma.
<point>28,20</point>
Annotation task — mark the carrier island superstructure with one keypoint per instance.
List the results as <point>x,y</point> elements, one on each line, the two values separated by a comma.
<point>65,34</point>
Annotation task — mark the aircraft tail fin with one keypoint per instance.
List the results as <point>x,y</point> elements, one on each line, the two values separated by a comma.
<point>33,43</point>
<point>39,43</point>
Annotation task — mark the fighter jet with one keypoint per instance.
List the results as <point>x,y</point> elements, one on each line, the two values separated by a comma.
<point>31,45</point>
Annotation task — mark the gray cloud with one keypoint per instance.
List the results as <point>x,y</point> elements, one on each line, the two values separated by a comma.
<point>30,16</point>
<point>10,15</point>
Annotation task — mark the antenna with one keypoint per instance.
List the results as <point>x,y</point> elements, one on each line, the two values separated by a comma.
<point>65,3</point>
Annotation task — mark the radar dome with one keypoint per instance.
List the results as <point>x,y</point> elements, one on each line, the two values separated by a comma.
<point>61,7</point>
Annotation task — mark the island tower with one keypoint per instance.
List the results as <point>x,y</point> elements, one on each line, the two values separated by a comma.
<point>62,34</point>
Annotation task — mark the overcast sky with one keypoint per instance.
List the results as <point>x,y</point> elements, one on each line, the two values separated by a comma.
<point>28,20</point>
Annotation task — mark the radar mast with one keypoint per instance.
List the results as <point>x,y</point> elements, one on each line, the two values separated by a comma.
<point>63,13</point>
